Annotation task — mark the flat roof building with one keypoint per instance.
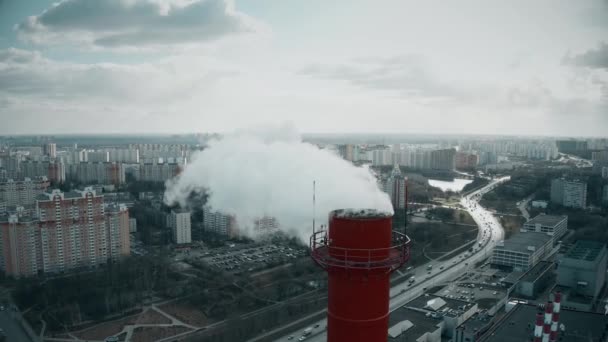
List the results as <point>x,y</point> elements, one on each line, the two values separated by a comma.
<point>537,279</point>
<point>518,325</point>
<point>583,268</point>
<point>428,317</point>
<point>522,251</point>
<point>550,224</point>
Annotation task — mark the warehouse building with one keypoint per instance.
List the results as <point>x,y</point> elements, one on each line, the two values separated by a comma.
<point>522,251</point>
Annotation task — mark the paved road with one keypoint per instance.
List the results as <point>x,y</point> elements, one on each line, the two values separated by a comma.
<point>490,231</point>
<point>12,328</point>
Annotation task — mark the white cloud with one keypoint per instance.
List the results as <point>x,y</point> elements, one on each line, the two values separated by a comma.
<point>134,23</point>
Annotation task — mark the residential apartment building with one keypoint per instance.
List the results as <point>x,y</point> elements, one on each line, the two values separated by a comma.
<point>118,229</point>
<point>265,225</point>
<point>98,173</point>
<point>466,161</point>
<point>19,245</point>
<point>181,226</point>
<point>157,172</point>
<point>70,230</point>
<point>50,149</point>
<point>396,188</point>
<point>569,193</point>
<point>98,156</point>
<point>552,225</point>
<point>22,192</point>
<point>123,155</point>
<point>522,251</point>
<point>443,159</point>
<point>218,223</point>
<point>53,170</point>
<point>600,156</point>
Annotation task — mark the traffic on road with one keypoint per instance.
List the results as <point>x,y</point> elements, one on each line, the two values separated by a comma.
<point>431,274</point>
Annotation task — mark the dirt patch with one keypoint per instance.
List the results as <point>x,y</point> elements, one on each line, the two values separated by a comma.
<point>156,333</point>
<point>104,330</point>
<point>152,317</point>
<point>186,313</point>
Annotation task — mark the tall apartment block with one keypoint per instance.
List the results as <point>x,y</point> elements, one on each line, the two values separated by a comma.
<point>181,226</point>
<point>70,230</point>
<point>22,192</point>
<point>569,193</point>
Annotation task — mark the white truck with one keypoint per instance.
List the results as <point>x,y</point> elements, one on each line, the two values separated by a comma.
<point>307,331</point>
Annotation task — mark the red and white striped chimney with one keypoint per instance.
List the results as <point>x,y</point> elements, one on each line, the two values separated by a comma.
<point>555,318</point>
<point>546,332</point>
<point>548,321</point>
<point>538,328</point>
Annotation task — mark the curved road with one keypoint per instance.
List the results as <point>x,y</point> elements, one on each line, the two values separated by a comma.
<point>490,231</point>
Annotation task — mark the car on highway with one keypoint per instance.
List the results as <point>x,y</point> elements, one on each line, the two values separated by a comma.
<point>302,338</point>
<point>290,337</point>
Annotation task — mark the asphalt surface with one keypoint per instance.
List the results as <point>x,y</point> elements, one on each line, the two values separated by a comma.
<point>490,231</point>
<point>13,330</point>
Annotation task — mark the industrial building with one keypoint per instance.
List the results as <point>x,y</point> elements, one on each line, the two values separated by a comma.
<point>473,328</point>
<point>428,318</point>
<point>582,272</point>
<point>535,280</point>
<point>522,251</point>
<point>519,325</point>
<point>550,224</point>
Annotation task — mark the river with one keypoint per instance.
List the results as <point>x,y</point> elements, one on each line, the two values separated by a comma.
<point>455,185</point>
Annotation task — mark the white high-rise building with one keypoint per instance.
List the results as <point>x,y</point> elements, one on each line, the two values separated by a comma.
<point>181,226</point>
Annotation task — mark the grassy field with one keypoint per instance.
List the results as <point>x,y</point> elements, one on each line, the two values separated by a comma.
<point>434,239</point>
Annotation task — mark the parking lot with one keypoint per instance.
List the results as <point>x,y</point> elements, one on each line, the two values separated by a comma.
<point>252,258</point>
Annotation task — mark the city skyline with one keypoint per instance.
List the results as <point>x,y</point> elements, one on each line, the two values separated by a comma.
<point>217,65</point>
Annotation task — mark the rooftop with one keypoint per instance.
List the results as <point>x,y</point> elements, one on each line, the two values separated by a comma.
<point>521,241</point>
<point>546,220</point>
<point>537,271</point>
<point>449,306</point>
<point>420,324</point>
<point>518,325</point>
<point>585,250</point>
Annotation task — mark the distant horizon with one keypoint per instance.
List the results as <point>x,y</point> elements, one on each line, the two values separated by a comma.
<point>304,135</point>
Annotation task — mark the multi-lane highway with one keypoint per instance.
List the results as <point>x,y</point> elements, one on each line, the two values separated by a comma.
<point>490,231</point>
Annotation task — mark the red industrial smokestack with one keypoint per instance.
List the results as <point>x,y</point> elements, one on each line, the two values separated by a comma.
<point>538,328</point>
<point>359,252</point>
<point>548,321</point>
<point>555,317</point>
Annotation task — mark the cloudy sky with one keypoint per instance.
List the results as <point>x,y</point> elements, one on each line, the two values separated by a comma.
<point>472,66</point>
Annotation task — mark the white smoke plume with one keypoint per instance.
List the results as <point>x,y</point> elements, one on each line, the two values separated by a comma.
<point>270,173</point>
